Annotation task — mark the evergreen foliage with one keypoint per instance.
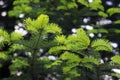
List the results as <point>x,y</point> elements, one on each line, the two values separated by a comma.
<point>74,56</point>
<point>69,51</point>
<point>24,53</point>
<point>101,44</point>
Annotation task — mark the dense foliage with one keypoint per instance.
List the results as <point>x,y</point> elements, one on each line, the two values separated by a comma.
<point>74,54</point>
<point>43,50</point>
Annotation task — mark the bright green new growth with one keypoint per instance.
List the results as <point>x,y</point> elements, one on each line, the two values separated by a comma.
<point>101,44</point>
<point>116,59</point>
<point>4,37</point>
<point>42,23</point>
<point>80,41</point>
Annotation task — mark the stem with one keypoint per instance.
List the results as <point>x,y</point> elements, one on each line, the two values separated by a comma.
<point>97,72</point>
<point>33,73</point>
<point>34,58</point>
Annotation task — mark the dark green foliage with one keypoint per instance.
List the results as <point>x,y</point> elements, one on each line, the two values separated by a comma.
<point>67,13</point>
